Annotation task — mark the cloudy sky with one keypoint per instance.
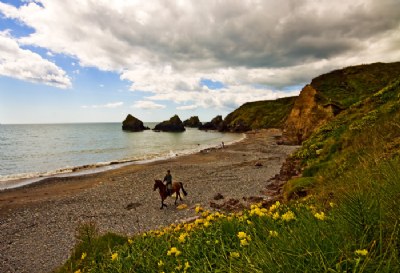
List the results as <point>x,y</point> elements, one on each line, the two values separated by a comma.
<point>98,60</point>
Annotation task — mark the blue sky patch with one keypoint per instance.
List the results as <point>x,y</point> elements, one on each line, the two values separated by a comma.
<point>212,84</point>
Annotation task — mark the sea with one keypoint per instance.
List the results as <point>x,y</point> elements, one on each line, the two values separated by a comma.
<point>30,153</point>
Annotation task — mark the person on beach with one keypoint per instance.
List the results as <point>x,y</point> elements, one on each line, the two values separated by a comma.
<point>168,180</point>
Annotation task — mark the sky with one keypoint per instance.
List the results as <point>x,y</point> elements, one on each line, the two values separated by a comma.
<point>99,60</point>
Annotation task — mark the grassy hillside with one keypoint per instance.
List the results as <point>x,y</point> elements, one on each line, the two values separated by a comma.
<point>348,220</point>
<point>352,84</point>
<point>260,114</point>
<point>366,131</point>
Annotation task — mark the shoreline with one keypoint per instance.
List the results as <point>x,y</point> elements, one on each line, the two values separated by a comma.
<point>38,222</point>
<point>34,178</point>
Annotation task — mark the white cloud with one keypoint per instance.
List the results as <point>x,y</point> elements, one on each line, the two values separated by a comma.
<point>108,105</point>
<point>26,65</point>
<point>147,105</point>
<point>187,107</point>
<point>167,47</point>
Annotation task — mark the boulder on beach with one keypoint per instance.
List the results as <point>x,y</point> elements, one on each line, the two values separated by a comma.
<point>174,124</point>
<point>133,124</point>
<point>192,122</point>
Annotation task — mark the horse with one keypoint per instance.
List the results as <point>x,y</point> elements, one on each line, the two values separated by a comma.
<point>176,187</point>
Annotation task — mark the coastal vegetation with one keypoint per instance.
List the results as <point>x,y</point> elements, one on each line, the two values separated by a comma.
<point>259,114</point>
<point>340,215</point>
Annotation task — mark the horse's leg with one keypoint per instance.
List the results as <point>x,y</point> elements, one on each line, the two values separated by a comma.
<point>179,193</point>
<point>162,203</point>
<point>176,198</point>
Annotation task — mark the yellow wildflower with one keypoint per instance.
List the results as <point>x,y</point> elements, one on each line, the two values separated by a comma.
<point>244,242</point>
<point>206,224</point>
<point>83,255</point>
<point>178,267</point>
<point>199,221</point>
<point>331,204</point>
<point>273,233</point>
<point>173,251</point>
<point>288,216</point>
<point>257,211</point>
<point>114,256</point>
<point>320,215</point>
<point>198,209</point>
<point>361,252</point>
<point>205,214</point>
<point>234,254</point>
<point>130,241</point>
<point>182,206</point>
<point>187,265</point>
<point>249,222</point>
<point>276,216</point>
<point>274,206</point>
<point>210,217</point>
<point>182,237</point>
<point>160,263</point>
<point>244,238</point>
<point>78,271</point>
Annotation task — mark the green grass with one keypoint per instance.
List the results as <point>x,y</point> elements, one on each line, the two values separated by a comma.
<point>260,114</point>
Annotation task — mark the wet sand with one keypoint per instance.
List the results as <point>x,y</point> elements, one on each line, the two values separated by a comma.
<point>38,222</point>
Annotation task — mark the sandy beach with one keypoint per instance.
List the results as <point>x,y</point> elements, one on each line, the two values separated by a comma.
<point>38,222</point>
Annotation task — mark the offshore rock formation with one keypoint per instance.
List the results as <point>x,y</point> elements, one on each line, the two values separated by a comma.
<point>307,115</point>
<point>192,122</point>
<point>215,124</point>
<point>133,124</point>
<point>174,124</point>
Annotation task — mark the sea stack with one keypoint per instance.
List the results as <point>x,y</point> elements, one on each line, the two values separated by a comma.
<point>215,124</point>
<point>133,124</point>
<point>192,122</point>
<point>174,124</point>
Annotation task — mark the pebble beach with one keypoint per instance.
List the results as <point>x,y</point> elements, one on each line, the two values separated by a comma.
<point>38,222</point>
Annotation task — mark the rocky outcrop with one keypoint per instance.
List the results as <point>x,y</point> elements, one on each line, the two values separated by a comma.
<point>174,124</point>
<point>215,124</point>
<point>308,113</point>
<point>192,122</point>
<point>133,124</point>
<point>238,126</point>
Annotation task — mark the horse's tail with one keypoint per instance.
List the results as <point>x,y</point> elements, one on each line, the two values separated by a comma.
<point>183,190</point>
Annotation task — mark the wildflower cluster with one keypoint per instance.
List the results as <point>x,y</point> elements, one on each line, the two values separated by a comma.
<point>244,238</point>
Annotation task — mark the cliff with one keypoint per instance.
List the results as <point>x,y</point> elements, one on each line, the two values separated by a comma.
<point>331,93</point>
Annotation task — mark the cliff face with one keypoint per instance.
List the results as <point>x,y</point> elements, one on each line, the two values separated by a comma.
<point>308,113</point>
<point>333,92</point>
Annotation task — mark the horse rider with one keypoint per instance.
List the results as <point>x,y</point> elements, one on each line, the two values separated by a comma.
<point>168,179</point>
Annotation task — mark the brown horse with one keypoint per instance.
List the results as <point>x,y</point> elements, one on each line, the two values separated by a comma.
<point>176,187</point>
